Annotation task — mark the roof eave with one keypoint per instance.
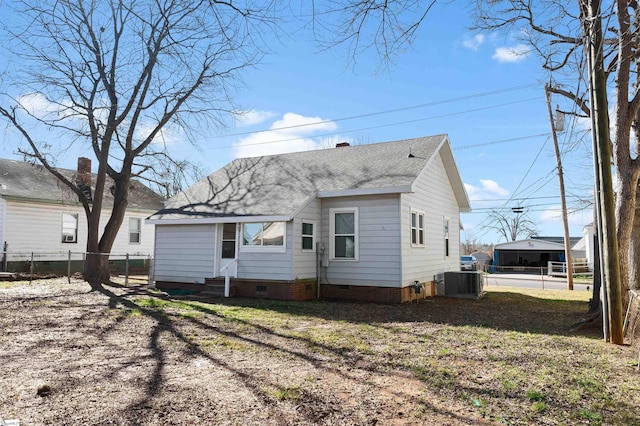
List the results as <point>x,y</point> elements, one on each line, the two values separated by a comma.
<point>364,191</point>
<point>218,219</point>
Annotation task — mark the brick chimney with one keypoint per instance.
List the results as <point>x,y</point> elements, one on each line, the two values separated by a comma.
<point>342,144</point>
<point>83,178</point>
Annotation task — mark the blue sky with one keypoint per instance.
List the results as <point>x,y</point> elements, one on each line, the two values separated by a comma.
<point>483,90</point>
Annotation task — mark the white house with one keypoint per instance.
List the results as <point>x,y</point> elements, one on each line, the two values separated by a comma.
<point>362,222</point>
<point>40,215</point>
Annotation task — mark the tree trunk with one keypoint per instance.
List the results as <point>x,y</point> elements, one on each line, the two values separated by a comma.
<point>595,302</point>
<point>634,249</point>
<point>96,269</point>
<point>625,219</point>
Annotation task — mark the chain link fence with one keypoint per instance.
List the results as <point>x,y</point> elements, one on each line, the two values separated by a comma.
<point>42,264</point>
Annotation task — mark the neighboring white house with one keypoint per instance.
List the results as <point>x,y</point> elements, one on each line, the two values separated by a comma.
<point>361,222</point>
<point>39,214</point>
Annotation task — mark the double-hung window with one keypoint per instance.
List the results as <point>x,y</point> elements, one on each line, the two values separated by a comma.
<point>69,228</point>
<point>417,228</point>
<point>134,230</point>
<point>343,228</point>
<point>308,235</point>
<point>446,237</point>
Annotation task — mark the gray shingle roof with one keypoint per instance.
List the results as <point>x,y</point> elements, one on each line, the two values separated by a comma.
<point>33,182</point>
<point>279,185</point>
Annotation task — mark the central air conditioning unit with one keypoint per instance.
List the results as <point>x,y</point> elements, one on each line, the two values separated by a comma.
<point>463,284</point>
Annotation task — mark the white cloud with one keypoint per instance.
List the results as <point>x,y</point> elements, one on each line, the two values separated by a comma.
<point>292,133</point>
<point>38,105</point>
<point>168,135</point>
<point>491,186</point>
<point>253,117</point>
<point>511,54</point>
<point>487,190</point>
<point>474,43</point>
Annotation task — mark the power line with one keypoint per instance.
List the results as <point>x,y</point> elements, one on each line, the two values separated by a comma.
<point>387,125</point>
<point>390,111</point>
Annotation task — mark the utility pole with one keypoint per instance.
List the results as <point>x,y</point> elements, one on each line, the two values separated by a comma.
<point>563,200</point>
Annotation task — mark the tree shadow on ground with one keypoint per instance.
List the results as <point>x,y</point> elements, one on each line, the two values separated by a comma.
<point>501,311</point>
<point>319,406</point>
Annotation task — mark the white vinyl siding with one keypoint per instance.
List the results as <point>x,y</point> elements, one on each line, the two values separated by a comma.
<point>37,227</point>
<point>378,239</point>
<point>185,253</point>
<point>304,261</point>
<point>268,265</point>
<point>433,195</point>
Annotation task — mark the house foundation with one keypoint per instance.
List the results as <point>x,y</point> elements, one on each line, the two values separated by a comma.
<point>307,290</point>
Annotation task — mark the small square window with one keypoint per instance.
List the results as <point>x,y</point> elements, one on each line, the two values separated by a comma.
<point>308,236</point>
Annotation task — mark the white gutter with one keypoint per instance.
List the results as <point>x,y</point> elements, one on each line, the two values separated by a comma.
<point>221,219</point>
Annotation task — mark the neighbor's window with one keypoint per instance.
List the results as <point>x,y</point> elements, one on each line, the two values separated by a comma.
<point>269,234</point>
<point>446,237</point>
<point>417,228</point>
<point>69,228</point>
<point>344,233</point>
<point>134,230</point>
<point>308,235</point>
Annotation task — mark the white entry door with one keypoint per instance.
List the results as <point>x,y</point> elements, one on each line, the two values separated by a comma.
<point>228,249</point>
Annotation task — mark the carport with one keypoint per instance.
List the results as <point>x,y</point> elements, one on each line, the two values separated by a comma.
<point>534,253</point>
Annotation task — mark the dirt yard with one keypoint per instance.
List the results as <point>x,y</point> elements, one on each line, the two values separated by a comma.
<point>126,356</point>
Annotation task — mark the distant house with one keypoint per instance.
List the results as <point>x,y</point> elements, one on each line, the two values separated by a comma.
<point>372,222</point>
<point>39,214</point>
<point>533,252</point>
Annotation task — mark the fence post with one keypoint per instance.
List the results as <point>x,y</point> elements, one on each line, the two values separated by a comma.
<point>150,273</point>
<point>31,269</point>
<point>69,268</point>
<point>4,257</point>
<point>126,269</point>
<point>542,276</point>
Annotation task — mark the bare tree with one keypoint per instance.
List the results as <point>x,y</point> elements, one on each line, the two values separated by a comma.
<point>168,176</point>
<point>115,75</point>
<point>512,226</point>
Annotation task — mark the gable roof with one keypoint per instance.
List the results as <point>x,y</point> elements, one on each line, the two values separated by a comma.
<point>530,244</point>
<point>278,186</point>
<point>559,240</point>
<point>32,182</point>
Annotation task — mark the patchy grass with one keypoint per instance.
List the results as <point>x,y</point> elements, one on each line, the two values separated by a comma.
<point>130,356</point>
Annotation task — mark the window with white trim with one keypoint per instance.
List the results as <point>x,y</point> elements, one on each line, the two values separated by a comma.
<point>446,237</point>
<point>69,228</point>
<point>417,228</point>
<point>263,235</point>
<point>134,230</point>
<point>344,233</point>
<point>308,235</point>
